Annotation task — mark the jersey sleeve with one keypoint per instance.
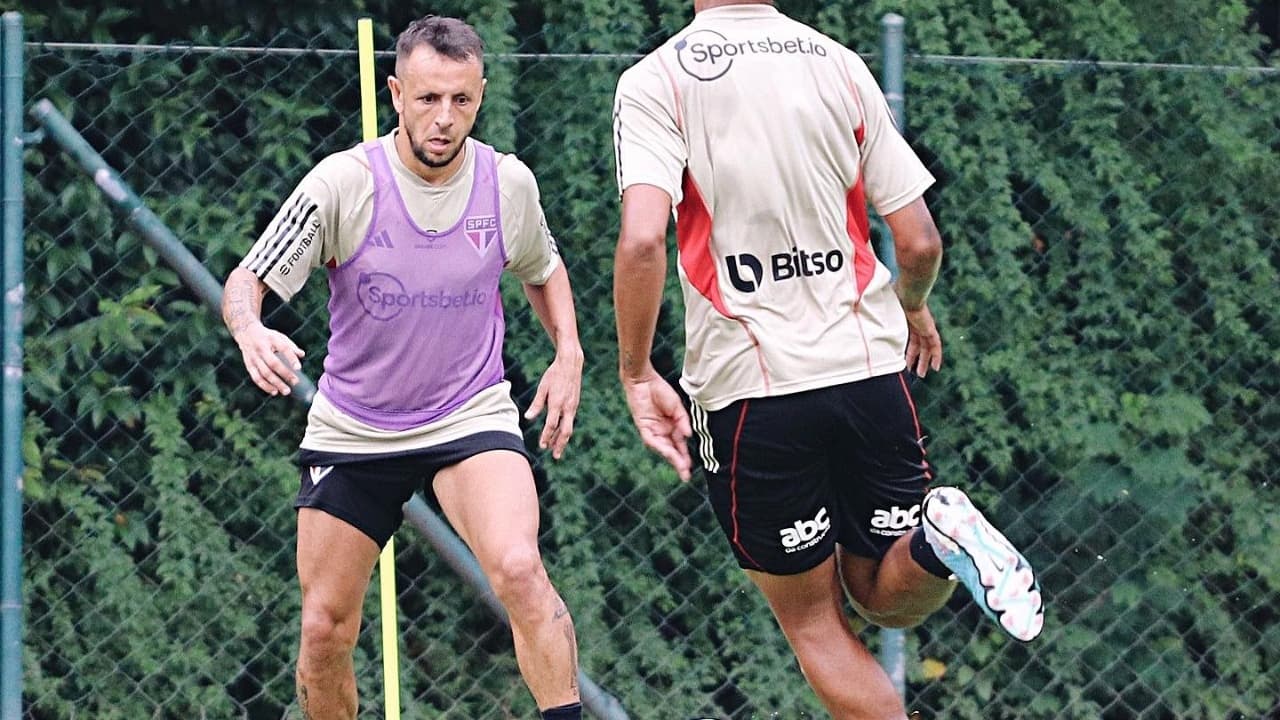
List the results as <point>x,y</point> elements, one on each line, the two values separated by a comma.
<point>649,147</point>
<point>893,175</point>
<point>303,234</point>
<point>532,253</point>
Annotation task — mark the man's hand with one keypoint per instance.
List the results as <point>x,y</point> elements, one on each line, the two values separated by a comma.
<point>661,419</point>
<point>924,345</point>
<point>559,393</point>
<point>270,357</point>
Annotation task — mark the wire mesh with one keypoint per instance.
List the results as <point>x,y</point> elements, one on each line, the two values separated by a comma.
<point>1108,304</point>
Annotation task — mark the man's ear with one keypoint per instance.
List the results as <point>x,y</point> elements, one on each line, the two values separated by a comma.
<point>397,92</point>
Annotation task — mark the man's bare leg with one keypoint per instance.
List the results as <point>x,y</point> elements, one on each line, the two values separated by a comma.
<point>846,677</point>
<point>334,564</point>
<point>491,501</point>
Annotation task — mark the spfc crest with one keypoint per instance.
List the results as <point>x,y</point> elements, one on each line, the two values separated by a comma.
<point>481,230</point>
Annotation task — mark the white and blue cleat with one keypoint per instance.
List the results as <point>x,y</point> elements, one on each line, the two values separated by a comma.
<point>982,558</point>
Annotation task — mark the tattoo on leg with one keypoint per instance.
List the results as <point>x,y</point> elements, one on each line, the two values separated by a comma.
<point>563,614</point>
<point>303,703</point>
<point>572,655</point>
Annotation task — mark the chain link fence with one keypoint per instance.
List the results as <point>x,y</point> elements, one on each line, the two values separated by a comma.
<point>1110,394</point>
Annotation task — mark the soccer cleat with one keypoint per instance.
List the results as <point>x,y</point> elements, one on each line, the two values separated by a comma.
<point>995,573</point>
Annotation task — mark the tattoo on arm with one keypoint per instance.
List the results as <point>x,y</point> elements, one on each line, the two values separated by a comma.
<point>628,361</point>
<point>241,303</point>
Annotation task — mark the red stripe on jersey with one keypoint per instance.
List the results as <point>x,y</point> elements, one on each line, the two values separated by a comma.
<point>693,237</point>
<point>859,228</point>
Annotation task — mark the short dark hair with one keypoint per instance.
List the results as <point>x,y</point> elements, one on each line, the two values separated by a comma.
<point>450,37</point>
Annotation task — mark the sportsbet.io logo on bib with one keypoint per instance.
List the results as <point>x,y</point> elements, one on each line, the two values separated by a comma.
<point>708,55</point>
<point>384,297</point>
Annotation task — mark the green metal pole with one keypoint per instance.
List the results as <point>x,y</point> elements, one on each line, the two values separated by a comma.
<point>11,419</point>
<point>152,228</point>
<point>892,27</point>
<point>892,54</point>
<point>893,643</point>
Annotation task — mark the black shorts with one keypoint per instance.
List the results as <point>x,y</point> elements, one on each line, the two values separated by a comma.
<point>792,475</point>
<point>369,491</point>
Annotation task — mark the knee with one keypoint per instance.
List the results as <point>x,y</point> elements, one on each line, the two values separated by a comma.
<point>327,632</point>
<point>518,577</point>
<point>893,619</point>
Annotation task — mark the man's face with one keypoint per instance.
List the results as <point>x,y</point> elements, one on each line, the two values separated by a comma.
<point>437,99</point>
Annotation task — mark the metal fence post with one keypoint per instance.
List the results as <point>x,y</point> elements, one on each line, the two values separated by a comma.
<point>892,55</point>
<point>11,261</point>
<point>893,643</point>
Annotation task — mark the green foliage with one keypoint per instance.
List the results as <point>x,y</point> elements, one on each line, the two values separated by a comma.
<point>1110,391</point>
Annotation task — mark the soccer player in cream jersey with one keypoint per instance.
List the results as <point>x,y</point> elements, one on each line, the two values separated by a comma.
<point>768,139</point>
<point>415,229</point>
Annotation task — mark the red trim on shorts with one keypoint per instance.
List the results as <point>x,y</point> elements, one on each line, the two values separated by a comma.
<point>733,485</point>
<point>902,380</point>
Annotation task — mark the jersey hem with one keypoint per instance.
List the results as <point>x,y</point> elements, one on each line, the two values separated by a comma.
<point>721,401</point>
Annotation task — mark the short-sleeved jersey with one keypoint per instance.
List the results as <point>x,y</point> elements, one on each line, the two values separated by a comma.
<point>325,220</point>
<point>770,139</point>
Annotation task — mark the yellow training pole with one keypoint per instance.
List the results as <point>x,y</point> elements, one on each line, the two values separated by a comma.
<point>386,561</point>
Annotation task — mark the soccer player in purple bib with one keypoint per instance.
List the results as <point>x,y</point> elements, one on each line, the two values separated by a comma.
<point>415,229</point>
<point>768,139</point>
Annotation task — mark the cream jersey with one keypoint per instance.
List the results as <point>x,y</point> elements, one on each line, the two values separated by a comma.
<point>323,223</point>
<point>771,139</point>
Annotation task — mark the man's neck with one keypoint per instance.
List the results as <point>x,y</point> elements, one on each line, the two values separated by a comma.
<point>700,5</point>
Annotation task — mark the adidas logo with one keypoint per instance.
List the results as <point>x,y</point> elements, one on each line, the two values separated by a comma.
<point>895,520</point>
<point>805,533</point>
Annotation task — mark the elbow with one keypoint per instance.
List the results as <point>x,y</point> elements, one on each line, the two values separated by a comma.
<point>923,249</point>
<point>641,245</point>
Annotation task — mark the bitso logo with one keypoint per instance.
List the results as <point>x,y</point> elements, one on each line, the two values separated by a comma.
<point>805,533</point>
<point>748,264</point>
<point>746,272</point>
<point>895,521</point>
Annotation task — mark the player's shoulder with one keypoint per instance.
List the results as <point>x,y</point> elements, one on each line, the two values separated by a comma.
<point>340,174</point>
<point>648,68</point>
<point>515,178</point>
<point>350,162</point>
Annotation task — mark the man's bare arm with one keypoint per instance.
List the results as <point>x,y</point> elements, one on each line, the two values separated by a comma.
<point>560,388</point>
<point>639,274</point>
<point>242,300</point>
<point>918,250</point>
<point>269,356</point>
